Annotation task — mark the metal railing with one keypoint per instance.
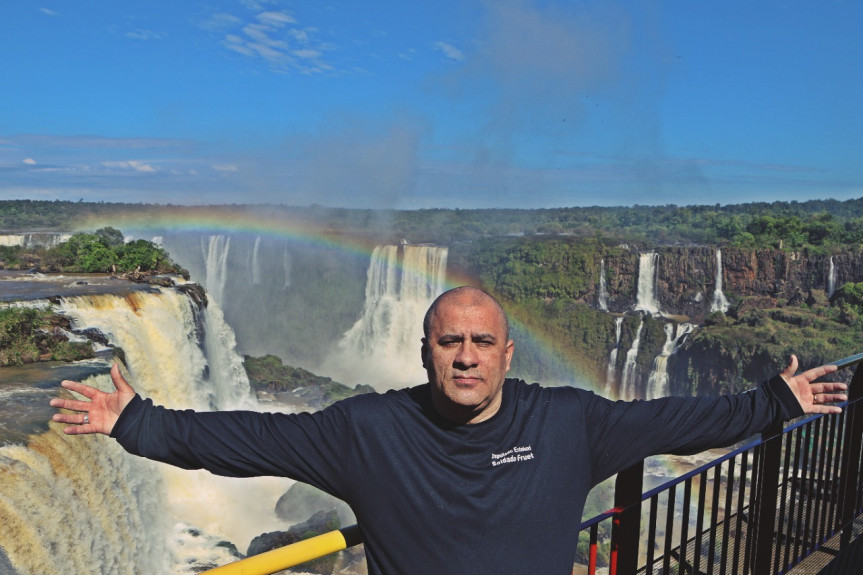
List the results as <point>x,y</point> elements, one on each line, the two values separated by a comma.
<point>760,509</point>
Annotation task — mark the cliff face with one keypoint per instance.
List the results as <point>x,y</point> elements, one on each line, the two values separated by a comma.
<point>685,277</point>
<point>775,303</point>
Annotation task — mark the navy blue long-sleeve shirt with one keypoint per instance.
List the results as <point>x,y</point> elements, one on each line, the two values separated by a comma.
<point>501,496</point>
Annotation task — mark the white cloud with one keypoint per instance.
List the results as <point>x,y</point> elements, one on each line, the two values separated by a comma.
<point>144,35</point>
<point>130,165</point>
<point>276,19</point>
<point>49,12</point>
<point>221,21</point>
<point>225,168</point>
<point>449,51</point>
<point>29,161</point>
<point>272,36</point>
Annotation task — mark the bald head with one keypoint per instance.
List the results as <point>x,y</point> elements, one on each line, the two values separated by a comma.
<point>466,352</point>
<point>464,295</point>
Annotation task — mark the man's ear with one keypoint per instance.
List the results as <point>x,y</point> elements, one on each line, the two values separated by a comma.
<point>424,351</point>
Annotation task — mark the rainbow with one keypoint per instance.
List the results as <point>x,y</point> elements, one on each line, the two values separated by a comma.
<point>311,227</point>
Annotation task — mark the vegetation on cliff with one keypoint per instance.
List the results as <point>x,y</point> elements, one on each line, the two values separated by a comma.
<point>28,335</point>
<point>268,373</point>
<point>102,251</point>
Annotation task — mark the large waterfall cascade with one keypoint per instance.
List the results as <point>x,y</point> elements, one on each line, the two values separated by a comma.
<point>720,302</point>
<point>646,295</point>
<point>630,371</point>
<point>61,497</point>
<point>657,381</point>
<point>831,279</point>
<point>382,348</point>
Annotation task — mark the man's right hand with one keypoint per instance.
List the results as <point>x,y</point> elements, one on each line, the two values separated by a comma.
<point>100,413</point>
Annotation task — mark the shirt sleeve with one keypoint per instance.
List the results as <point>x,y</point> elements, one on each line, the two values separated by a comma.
<point>308,447</point>
<point>623,433</point>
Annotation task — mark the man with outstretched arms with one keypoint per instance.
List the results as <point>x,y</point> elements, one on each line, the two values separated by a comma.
<point>469,473</point>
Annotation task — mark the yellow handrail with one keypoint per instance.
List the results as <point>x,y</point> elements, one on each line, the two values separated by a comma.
<point>293,554</point>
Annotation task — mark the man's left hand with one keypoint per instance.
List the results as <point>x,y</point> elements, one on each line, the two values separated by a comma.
<point>814,397</point>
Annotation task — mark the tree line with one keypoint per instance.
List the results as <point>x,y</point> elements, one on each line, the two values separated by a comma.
<point>815,224</point>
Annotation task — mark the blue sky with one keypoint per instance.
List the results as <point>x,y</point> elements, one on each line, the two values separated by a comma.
<point>456,104</point>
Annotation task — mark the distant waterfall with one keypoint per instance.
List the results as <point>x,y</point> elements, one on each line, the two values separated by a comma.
<point>612,358</point>
<point>831,279</point>
<point>256,262</point>
<point>216,266</point>
<point>382,348</point>
<point>286,262</point>
<point>720,302</point>
<point>603,291</point>
<point>657,382</point>
<point>61,497</point>
<point>646,297</point>
<point>630,372</point>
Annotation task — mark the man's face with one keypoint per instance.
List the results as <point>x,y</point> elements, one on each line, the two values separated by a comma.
<point>467,356</point>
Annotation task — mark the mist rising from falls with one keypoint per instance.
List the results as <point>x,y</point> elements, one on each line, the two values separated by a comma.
<point>646,298</point>
<point>720,302</point>
<point>62,496</point>
<point>382,348</point>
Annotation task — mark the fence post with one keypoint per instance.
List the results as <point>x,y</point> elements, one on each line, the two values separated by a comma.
<point>850,461</point>
<point>626,526</point>
<point>766,496</point>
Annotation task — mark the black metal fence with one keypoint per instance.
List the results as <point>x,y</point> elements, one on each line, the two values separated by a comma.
<point>761,509</point>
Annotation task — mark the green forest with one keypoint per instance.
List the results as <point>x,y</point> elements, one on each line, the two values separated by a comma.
<point>784,225</point>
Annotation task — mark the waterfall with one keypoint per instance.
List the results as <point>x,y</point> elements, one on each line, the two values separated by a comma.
<point>382,348</point>
<point>10,240</point>
<point>216,266</point>
<point>256,262</point>
<point>720,303</point>
<point>286,262</point>
<point>657,382</point>
<point>630,372</point>
<point>831,279</point>
<point>646,298</point>
<point>83,505</point>
<point>603,291</point>
<point>612,358</point>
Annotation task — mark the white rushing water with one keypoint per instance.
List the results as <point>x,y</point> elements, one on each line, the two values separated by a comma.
<point>382,348</point>
<point>630,371</point>
<point>83,505</point>
<point>215,252</point>
<point>831,279</point>
<point>612,358</point>
<point>603,289</point>
<point>720,302</point>
<point>657,381</point>
<point>256,262</point>
<point>646,296</point>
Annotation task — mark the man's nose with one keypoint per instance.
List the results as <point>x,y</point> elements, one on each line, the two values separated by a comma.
<point>467,355</point>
